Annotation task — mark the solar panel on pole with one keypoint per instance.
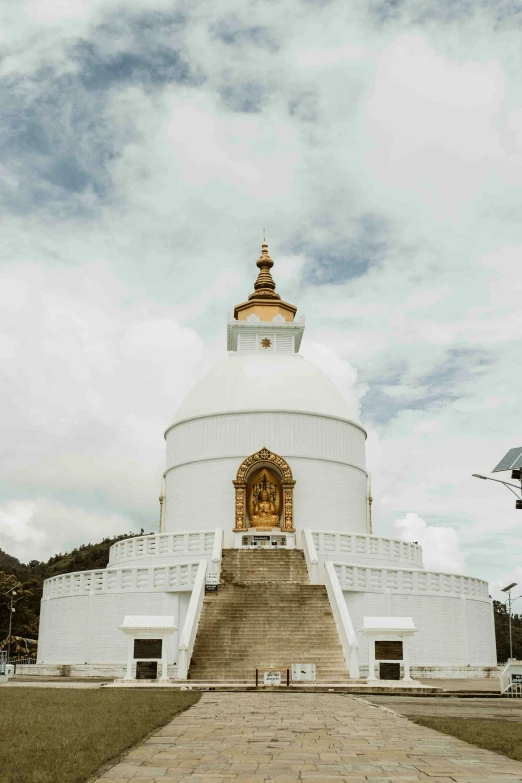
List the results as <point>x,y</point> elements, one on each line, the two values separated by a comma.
<point>511,461</point>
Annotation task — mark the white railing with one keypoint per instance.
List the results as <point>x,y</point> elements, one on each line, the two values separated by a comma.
<point>507,686</point>
<point>343,621</point>
<point>405,580</point>
<point>310,553</point>
<point>332,545</point>
<point>164,578</point>
<point>217,551</point>
<point>190,628</point>
<point>162,545</point>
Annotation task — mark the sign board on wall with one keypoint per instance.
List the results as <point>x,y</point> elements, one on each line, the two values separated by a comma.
<point>211,582</point>
<point>304,672</point>
<point>388,651</point>
<point>272,678</point>
<point>516,678</point>
<point>146,670</point>
<point>147,648</point>
<point>389,671</point>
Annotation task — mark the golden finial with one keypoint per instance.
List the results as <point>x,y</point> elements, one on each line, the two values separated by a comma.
<point>264,302</point>
<point>264,285</point>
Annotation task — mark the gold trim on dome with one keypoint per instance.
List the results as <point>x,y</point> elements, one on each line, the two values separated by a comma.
<point>264,458</point>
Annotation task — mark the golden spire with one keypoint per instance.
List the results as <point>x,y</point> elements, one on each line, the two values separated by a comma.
<point>264,286</point>
<point>264,302</point>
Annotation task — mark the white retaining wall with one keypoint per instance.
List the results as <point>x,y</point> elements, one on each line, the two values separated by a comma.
<point>107,671</point>
<point>453,631</point>
<point>84,629</point>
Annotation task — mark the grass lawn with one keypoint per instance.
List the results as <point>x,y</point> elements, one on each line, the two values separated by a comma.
<point>501,736</point>
<point>50,735</point>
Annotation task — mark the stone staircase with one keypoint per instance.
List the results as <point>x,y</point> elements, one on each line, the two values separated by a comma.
<point>265,615</point>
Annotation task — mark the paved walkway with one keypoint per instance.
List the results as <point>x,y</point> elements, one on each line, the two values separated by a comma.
<point>307,737</point>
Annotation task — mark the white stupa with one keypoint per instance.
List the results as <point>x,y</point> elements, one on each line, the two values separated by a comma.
<point>265,453</point>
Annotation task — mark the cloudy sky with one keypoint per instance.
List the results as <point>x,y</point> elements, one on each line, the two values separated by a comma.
<point>146,145</point>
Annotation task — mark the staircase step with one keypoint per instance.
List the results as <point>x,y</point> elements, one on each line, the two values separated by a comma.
<point>265,614</point>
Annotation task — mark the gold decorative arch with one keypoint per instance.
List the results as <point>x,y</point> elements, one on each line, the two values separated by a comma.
<point>264,458</point>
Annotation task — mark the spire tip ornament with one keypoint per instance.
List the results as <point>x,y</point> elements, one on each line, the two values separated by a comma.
<point>264,296</point>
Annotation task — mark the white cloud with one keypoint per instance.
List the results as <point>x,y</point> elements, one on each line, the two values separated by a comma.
<point>440,545</point>
<point>305,122</point>
<point>312,58</point>
<point>39,529</point>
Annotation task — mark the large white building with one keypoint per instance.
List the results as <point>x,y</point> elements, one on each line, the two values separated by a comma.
<point>265,452</point>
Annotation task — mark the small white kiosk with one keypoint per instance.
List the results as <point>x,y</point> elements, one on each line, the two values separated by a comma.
<point>147,636</point>
<point>4,669</point>
<point>388,646</point>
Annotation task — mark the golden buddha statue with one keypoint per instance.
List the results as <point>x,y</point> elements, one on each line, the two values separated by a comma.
<point>264,516</point>
<point>264,499</point>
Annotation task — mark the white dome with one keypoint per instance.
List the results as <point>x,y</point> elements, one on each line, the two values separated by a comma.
<point>251,382</point>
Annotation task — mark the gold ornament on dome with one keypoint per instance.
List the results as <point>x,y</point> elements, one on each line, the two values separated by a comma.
<point>264,493</point>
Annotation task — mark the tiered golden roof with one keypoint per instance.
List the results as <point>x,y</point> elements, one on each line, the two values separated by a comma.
<point>264,302</point>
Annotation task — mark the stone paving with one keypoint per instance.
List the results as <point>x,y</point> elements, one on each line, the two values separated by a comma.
<point>304,737</point>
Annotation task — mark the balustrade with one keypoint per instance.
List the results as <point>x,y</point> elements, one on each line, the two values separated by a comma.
<point>403,580</point>
<point>162,578</point>
<point>329,545</point>
<point>162,545</point>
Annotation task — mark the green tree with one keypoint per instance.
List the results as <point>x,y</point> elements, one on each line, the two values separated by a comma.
<point>502,632</point>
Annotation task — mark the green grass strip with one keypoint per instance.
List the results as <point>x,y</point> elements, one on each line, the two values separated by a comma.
<point>501,736</point>
<point>64,735</point>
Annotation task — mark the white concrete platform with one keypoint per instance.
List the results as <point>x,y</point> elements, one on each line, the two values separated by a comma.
<point>376,686</point>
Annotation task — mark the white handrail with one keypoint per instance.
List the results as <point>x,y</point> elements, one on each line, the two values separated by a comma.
<point>310,554</point>
<point>218,546</point>
<point>190,628</point>
<point>507,686</point>
<point>505,678</point>
<point>343,621</point>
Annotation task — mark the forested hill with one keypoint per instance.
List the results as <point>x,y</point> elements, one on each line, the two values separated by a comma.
<point>10,565</point>
<point>31,577</point>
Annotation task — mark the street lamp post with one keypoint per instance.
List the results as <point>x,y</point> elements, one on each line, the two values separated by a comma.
<point>12,593</point>
<point>517,494</point>
<point>508,590</point>
<point>511,461</point>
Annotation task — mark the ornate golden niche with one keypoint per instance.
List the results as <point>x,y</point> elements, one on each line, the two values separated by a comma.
<point>265,486</point>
